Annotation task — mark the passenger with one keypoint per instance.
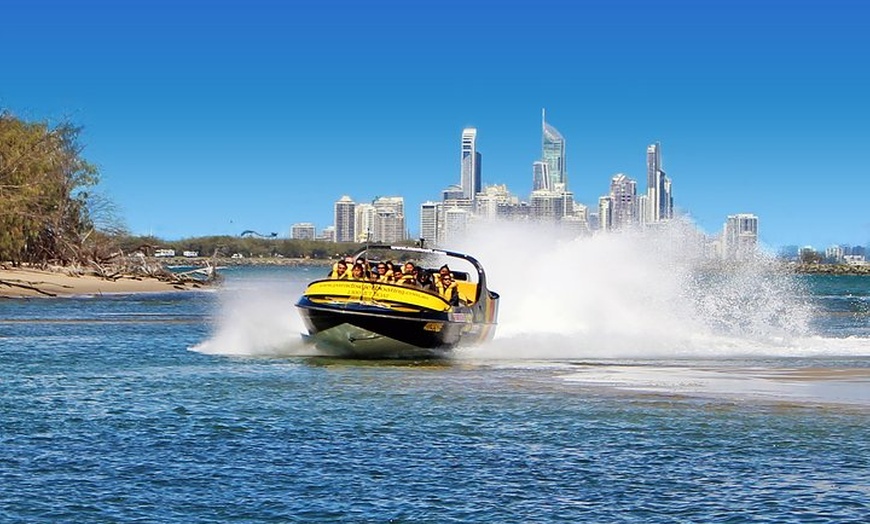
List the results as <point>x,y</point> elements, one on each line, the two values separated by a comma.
<point>443,270</point>
<point>358,271</point>
<point>408,276</point>
<point>367,268</point>
<point>381,273</point>
<point>448,290</point>
<point>425,281</point>
<point>339,270</point>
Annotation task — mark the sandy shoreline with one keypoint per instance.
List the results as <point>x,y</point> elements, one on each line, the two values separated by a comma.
<point>28,283</point>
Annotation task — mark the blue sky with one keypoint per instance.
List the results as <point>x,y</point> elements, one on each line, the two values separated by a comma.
<point>213,117</point>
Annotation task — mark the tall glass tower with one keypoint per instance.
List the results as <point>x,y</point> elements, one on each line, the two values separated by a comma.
<point>541,176</point>
<point>553,154</point>
<point>658,187</point>
<point>470,164</point>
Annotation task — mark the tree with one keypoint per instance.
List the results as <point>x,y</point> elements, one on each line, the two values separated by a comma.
<point>44,199</point>
<point>809,256</point>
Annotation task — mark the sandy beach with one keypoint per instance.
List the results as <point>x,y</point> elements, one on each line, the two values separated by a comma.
<point>27,283</point>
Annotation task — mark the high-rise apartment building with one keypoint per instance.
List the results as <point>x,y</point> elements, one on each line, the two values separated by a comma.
<point>551,205</point>
<point>553,154</point>
<point>344,219</point>
<point>605,213</point>
<point>302,231</point>
<point>470,164</point>
<point>454,197</point>
<point>363,224</point>
<point>623,200</point>
<point>453,192</point>
<point>660,203</point>
<point>327,234</point>
<point>389,219</point>
<point>429,222</point>
<point>835,254</point>
<point>492,202</point>
<point>582,214</point>
<point>643,211</point>
<point>456,222</point>
<point>574,225</point>
<point>740,236</point>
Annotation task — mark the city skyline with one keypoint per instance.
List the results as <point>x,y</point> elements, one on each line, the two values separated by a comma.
<point>550,201</point>
<point>255,116</point>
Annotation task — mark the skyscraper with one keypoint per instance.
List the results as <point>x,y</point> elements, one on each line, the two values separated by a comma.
<point>470,164</point>
<point>344,219</point>
<point>553,154</point>
<point>429,212</point>
<point>660,203</point>
<point>605,212</point>
<point>623,201</point>
<point>541,176</point>
<point>643,212</point>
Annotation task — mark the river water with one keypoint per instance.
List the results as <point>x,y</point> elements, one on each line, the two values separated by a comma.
<point>746,400</point>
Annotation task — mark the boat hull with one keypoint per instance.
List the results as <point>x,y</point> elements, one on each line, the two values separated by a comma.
<point>367,331</point>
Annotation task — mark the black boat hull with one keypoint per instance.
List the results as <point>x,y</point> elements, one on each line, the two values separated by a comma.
<point>365,331</point>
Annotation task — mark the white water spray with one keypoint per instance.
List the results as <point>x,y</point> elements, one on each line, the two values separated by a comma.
<point>650,294</point>
<point>632,295</point>
<point>258,319</point>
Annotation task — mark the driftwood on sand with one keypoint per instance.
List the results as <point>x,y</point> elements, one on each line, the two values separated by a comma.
<point>119,274</point>
<point>137,266</point>
<point>32,286</point>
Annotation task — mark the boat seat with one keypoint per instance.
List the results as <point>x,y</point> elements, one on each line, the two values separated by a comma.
<point>467,290</point>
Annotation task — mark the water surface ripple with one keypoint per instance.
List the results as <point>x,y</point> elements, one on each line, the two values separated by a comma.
<point>107,416</point>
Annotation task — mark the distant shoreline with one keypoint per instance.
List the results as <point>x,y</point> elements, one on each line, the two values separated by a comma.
<point>831,269</point>
<point>252,261</point>
<point>805,269</point>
